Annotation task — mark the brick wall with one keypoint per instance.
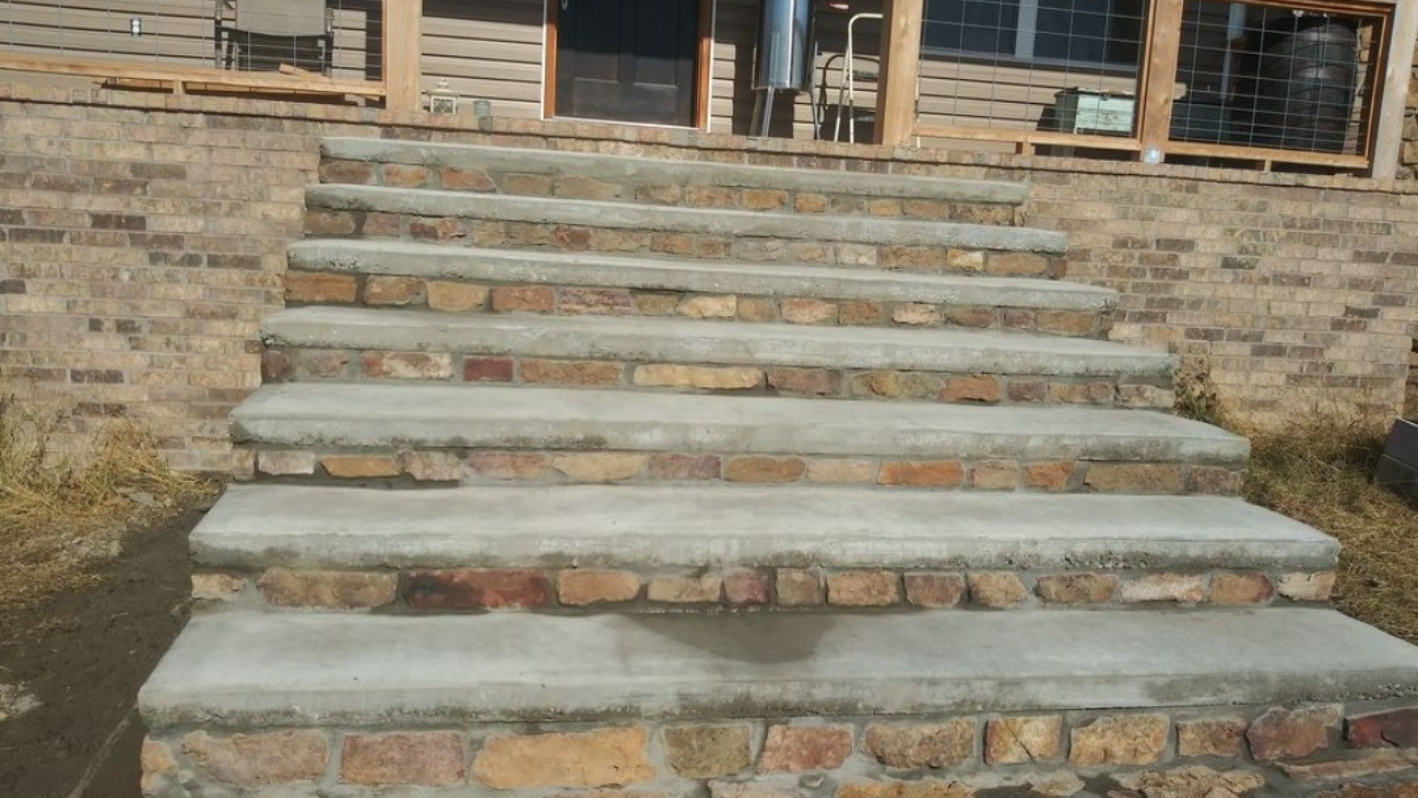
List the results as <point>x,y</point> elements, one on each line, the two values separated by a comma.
<point>144,238</point>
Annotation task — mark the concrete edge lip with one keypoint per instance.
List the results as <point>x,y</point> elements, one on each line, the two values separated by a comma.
<point>662,272</point>
<point>735,223</point>
<point>283,669</point>
<point>520,417</point>
<point>258,526</point>
<point>661,339</point>
<point>654,170</point>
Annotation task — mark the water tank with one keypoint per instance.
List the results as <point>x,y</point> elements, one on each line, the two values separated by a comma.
<point>784,45</point>
<point>1304,91</point>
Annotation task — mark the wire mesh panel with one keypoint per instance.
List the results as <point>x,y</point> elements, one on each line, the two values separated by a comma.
<point>1032,65</point>
<point>1275,78</point>
<point>337,38</point>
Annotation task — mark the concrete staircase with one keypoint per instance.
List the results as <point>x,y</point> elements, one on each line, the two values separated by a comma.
<point>738,479</point>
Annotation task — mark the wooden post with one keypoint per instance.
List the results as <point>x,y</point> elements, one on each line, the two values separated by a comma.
<point>900,70</point>
<point>1393,95</point>
<point>1164,35</point>
<point>403,20</point>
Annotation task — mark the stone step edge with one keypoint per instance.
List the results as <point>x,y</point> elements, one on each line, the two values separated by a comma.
<point>736,224</point>
<point>434,262</point>
<point>643,171</point>
<point>1168,751</point>
<point>434,416</point>
<point>737,589</point>
<point>239,669</point>
<point>693,526</point>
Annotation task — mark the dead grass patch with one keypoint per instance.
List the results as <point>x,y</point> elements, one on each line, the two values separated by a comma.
<point>62,513</point>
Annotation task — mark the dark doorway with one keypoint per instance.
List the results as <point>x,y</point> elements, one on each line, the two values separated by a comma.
<point>627,60</point>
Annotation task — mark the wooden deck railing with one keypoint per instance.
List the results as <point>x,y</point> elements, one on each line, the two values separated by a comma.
<point>1396,30</point>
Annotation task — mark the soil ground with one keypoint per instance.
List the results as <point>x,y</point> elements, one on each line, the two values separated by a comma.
<point>84,654</point>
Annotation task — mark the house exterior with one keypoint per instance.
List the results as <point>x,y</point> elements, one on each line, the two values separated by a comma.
<point>146,230</point>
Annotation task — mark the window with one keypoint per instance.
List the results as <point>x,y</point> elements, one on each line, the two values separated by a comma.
<point>1103,32</point>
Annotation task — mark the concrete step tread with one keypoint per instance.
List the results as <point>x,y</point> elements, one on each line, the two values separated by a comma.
<point>433,261</point>
<point>677,340</point>
<point>702,221</point>
<point>663,171</point>
<point>580,419</point>
<point>257,526</point>
<point>245,669</point>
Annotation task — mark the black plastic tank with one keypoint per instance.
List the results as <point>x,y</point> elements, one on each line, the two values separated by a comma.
<point>1304,81</point>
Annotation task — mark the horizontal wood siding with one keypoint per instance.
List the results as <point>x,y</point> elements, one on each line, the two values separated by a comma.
<point>488,50</point>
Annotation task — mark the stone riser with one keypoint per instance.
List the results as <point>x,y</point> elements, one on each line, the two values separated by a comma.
<point>535,467</point>
<point>924,258</point>
<point>306,365</point>
<point>1306,751</point>
<point>524,183</point>
<point>330,288</point>
<point>762,588</point>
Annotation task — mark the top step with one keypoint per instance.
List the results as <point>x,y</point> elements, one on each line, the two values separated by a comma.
<point>704,184</point>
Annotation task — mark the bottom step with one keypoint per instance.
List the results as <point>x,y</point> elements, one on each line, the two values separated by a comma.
<point>851,706</point>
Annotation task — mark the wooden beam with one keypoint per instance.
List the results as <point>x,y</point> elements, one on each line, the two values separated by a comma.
<point>1028,138</point>
<point>1268,154</point>
<point>217,78</point>
<point>703,64</point>
<point>549,61</point>
<point>900,70</point>
<point>1164,36</point>
<point>1398,69</point>
<point>403,68</point>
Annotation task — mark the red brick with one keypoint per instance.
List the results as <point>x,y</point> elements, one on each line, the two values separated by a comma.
<point>1394,728</point>
<point>487,369</point>
<point>798,587</point>
<point>744,587</point>
<point>1291,734</point>
<point>464,589</point>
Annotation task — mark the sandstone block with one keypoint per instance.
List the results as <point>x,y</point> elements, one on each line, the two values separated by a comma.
<point>1240,588</point>
<point>764,468</point>
<point>922,473</point>
<point>1010,741</point>
<point>859,313</point>
<point>607,757</point>
<point>994,475</point>
<point>359,466</point>
<point>1394,728</point>
<point>915,314</point>
<point>327,589</point>
<point>1087,588</point>
<point>1053,477</point>
<point>600,466</point>
<point>924,746</point>
<point>1120,740</point>
<point>1179,588</point>
<point>1211,737</point>
<point>523,298</point>
<point>863,588</point>
<point>996,589</point>
<point>924,788</point>
<point>488,369</point>
<point>510,465</point>
<point>704,589</point>
<point>798,748</point>
<point>466,180</point>
<point>745,587</point>
<point>407,365</point>
<point>478,589</point>
<point>250,761</point>
<point>709,307</point>
<point>286,463</point>
<point>590,373</point>
<point>723,378</point>
<point>841,470</point>
<point>584,587</point>
<point>978,388</point>
<point>1291,733</point>
<point>798,587</point>
<point>457,297</point>
<point>812,382</point>
<point>1306,587</point>
<point>430,466</point>
<point>802,310</point>
<point>403,758</point>
<point>1195,780</point>
<point>216,587</point>
<point>386,290</point>
<point>934,590</point>
<point>684,466</point>
<point>702,752</point>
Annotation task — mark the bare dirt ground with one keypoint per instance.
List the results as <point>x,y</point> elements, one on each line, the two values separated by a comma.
<point>84,654</point>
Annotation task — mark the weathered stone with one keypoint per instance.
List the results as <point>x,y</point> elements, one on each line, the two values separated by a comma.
<point>1373,765</point>
<point>1081,393</point>
<point>158,765</point>
<point>763,468</point>
<point>488,369</point>
<point>925,746</point>
<point>583,587</point>
<point>979,388</point>
<point>1192,781</point>
<point>925,788</point>
<point>934,590</point>
<point>1034,738</point>
<point>859,313</point>
<point>839,470</point>
<point>595,373</point>
<point>404,175</point>
<point>964,260</point>
<point>1306,587</point>
<point>1060,785</point>
<point>360,466</point>
<point>921,473</point>
<point>280,464</point>
<point>1405,790</point>
<point>757,309</point>
<point>259,760</point>
<point>705,589</point>
<point>915,314</point>
<point>798,587</point>
<point>475,588</point>
<point>403,758</point>
<point>457,297</point>
<point>994,475</point>
<point>1211,737</point>
<point>466,180</point>
<point>430,466</point>
<point>1291,733</point>
<point>863,589</point>
<point>709,307</point>
<point>407,365</point>
<point>1119,740</point>
<point>744,587</point>
<point>600,466</point>
<point>1077,588</point>
<point>1232,588</point>
<point>813,382</point>
<point>1134,478</point>
<point>386,290</point>
<point>1053,477</point>
<point>1065,322</point>
<point>685,466</point>
<point>1179,588</point>
<point>799,748</point>
<point>510,465</point>
<point>702,752</point>
<point>735,789</point>
<point>802,310</point>
<point>216,587</point>
<point>524,298</point>
<point>328,589</point>
<point>1393,728</point>
<point>579,301</point>
<point>996,589</point>
<point>1017,264</point>
<point>722,378</point>
<point>592,759</point>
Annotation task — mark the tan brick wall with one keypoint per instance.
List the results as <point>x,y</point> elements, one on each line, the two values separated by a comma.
<point>143,241</point>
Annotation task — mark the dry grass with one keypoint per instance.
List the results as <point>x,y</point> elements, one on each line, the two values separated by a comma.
<point>63,514</point>
<point>1320,471</point>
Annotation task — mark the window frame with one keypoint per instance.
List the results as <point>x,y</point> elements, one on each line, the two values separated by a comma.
<point>1024,47</point>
